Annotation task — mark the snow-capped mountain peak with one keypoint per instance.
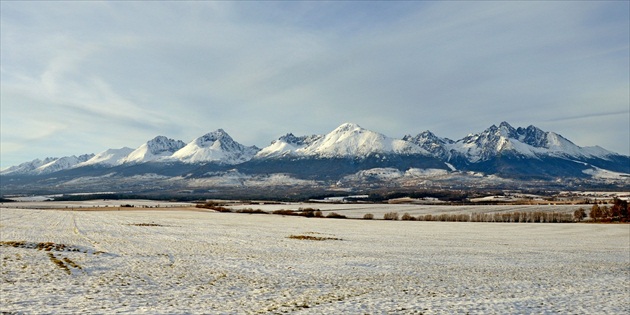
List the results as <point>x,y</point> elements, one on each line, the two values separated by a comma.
<point>506,130</point>
<point>530,142</point>
<point>487,144</point>
<point>62,163</point>
<point>532,135</point>
<point>351,140</point>
<point>347,140</point>
<point>157,148</point>
<point>216,146</point>
<point>299,141</point>
<point>430,142</point>
<point>27,167</point>
<point>47,165</point>
<point>347,127</point>
<point>287,145</point>
<point>214,136</point>
<point>110,157</point>
<point>161,144</point>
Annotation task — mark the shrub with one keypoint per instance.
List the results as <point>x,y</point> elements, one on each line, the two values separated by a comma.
<point>368,216</point>
<point>284,212</point>
<point>390,216</point>
<point>313,238</point>
<point>250,211</point>
<point>408,217</point>
<point>213,206</point>
<point>335,215</point>
<point>307,213</point>
<point>146,224</point>
<point>310,213</point>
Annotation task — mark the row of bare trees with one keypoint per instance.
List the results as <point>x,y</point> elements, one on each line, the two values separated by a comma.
<point>507,217</point>
<point>618,212</point>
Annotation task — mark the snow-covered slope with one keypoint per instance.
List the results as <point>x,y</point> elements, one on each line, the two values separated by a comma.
<point>110,157</point>
<point>347,140</point>
<point>433,144</point>
<point>155,149</point>
<point>490,143</point>
<point>597,172</point>
<point>63,163</point>
<point>352,140</point>
<point>287,145</point>
<point>27,167</point>
<point>46,166</point>
<point>216,146</point>
<point>530,142</point>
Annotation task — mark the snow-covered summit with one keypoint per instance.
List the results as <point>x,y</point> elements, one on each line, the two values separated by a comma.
<point>27,167</point>
<point>216,146</point>
<point>347,140</point>
<point>489,143</point>
<point>157,148</point>
<point>530,142</point>
<point>62,163</point>
<point>352,140</point>
<point>430,142</point>
<point>558,145</point>
<point>110,157</point>
<point>287,145</point>
<point>47,165</point>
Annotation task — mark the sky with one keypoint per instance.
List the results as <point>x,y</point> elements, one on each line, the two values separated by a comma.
<point>83,76</point>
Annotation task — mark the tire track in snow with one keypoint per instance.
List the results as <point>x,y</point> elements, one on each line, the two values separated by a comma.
<point>77,231</point>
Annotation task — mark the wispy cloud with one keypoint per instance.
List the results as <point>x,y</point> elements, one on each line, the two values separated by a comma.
<point>590,116</point>
<point>119,73</point>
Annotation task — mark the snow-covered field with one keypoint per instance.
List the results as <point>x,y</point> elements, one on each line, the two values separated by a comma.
<point>195,261</point>
<point>39,203</point>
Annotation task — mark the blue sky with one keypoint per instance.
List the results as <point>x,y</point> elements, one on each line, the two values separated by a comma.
<point>82,77</point>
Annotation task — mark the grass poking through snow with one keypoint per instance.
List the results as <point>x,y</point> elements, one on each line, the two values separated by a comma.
<point>314,238</point>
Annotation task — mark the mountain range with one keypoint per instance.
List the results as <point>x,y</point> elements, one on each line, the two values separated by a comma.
<point>345,153</point>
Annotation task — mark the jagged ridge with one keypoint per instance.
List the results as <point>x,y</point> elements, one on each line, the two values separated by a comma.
<point>502,150</point>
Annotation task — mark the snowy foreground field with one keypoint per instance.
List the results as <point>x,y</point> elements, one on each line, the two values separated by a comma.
<point>190,261</point>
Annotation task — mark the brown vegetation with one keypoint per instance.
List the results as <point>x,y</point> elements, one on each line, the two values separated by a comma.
<point>146,224</point>
<point>251,211</point>
<point>504,217</point>
<point>618,212</point>
<point>71,263</point>
<point>335,215</point>
<point>46,246</point>
<point>408,217</point>
<point>58,263</point>
<point>308,212</point>
<point>214,206</point>
<point>313,238</point>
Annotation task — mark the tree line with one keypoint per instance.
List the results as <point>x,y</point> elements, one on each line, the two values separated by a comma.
<point>618,212</point>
